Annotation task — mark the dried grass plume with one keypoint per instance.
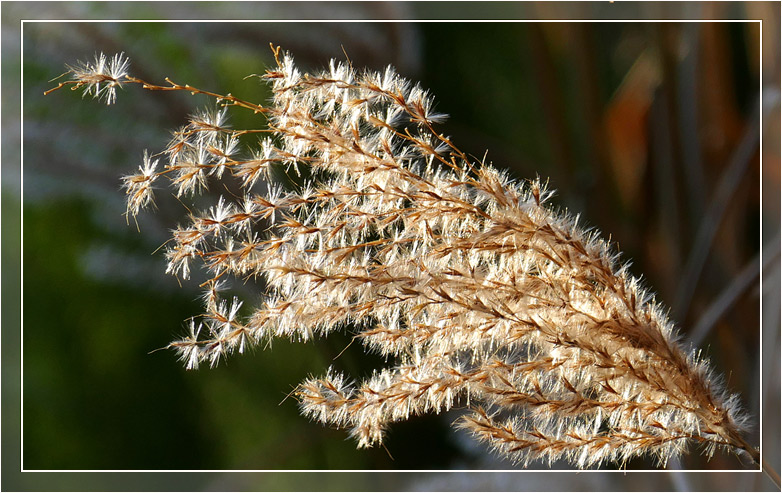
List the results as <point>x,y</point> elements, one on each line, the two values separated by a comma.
<point>481,294</point>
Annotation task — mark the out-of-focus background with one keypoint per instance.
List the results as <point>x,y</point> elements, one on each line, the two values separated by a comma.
<point>649,130</point>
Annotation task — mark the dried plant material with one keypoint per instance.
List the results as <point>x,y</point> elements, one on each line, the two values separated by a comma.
<point>481,294</point>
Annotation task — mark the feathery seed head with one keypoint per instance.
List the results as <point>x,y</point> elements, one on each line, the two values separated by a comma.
<point>482,294</point>
<point>102,77</point>
<point>138,187</point>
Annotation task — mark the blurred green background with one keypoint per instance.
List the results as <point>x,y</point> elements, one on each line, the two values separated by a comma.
<point>637,125</point>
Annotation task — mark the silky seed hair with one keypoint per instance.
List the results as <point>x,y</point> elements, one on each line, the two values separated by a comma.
<point>480,294</point>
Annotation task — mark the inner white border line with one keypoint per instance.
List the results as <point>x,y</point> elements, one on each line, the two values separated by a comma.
<point>394,21</point>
